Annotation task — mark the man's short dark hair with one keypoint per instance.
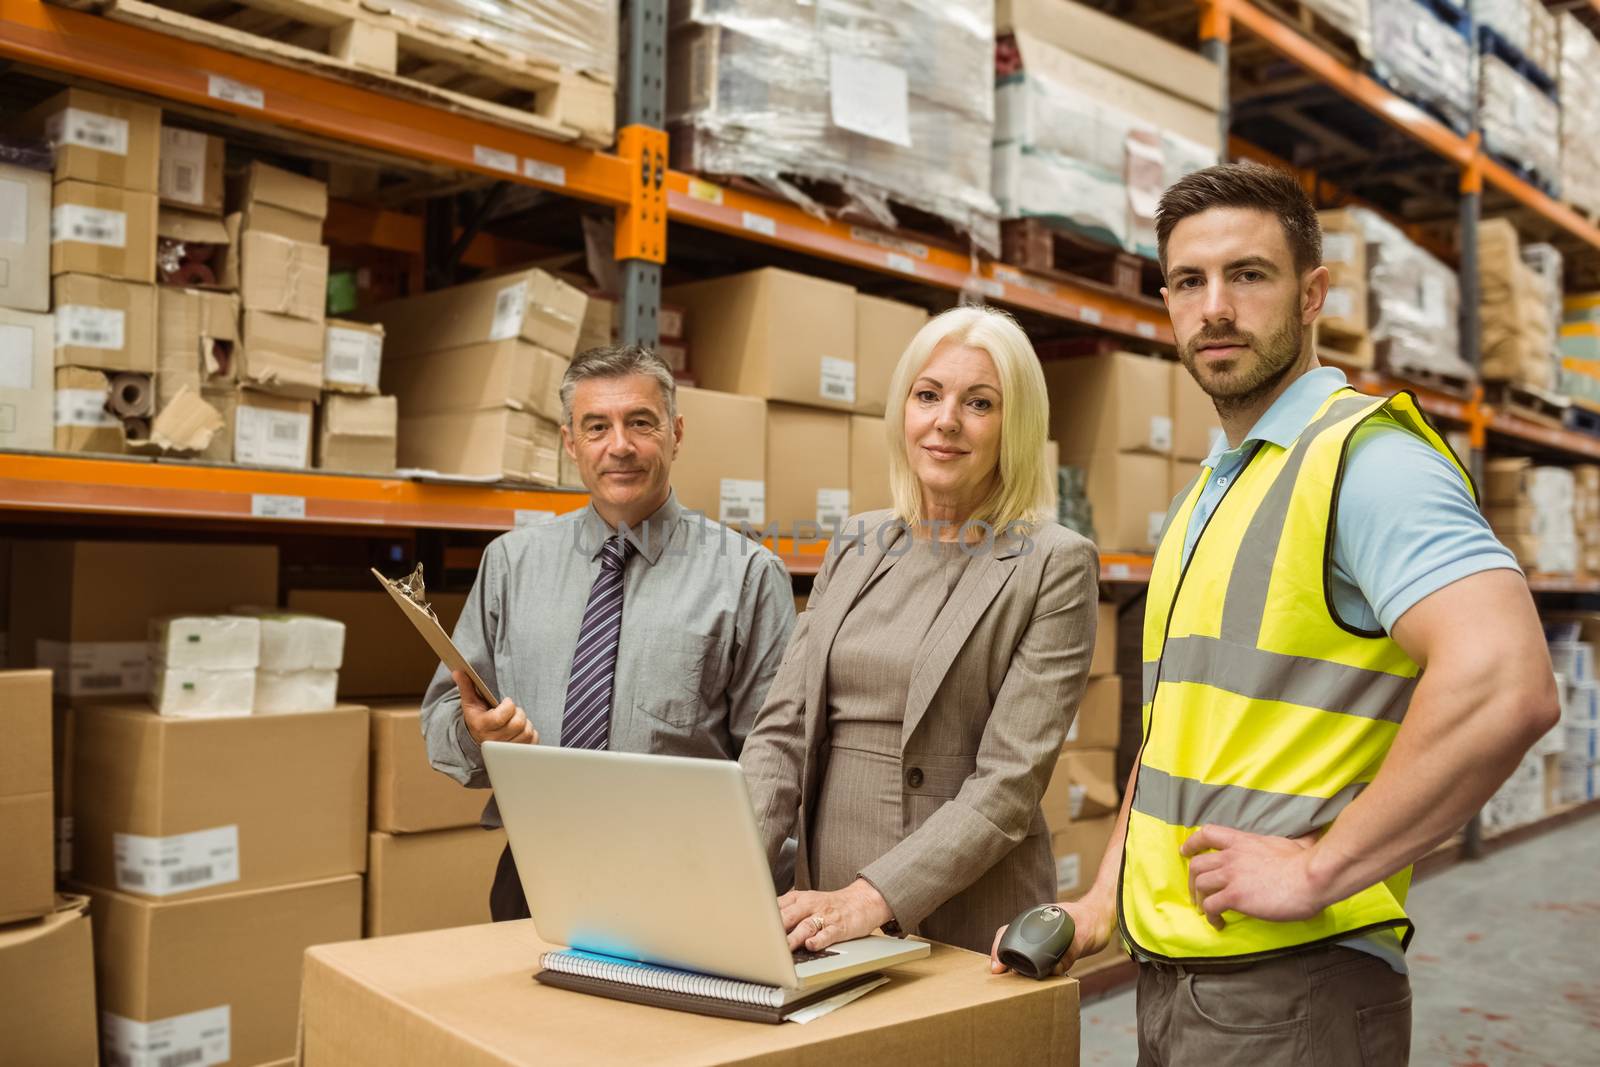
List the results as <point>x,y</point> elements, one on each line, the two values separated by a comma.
<point>618,361</point>
<point>1244,185</point>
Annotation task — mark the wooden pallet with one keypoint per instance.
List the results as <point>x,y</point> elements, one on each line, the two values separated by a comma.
<point>1350,349</point>
<point>1037,247</point>
<point>364,42</point>
<point>1528,402</point>
<point>1432,378</point>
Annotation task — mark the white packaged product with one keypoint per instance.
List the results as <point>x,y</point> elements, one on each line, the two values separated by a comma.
<point>291,691</point>
<point>195,692</point>
<point>210,642</point>
<point>292,642</point>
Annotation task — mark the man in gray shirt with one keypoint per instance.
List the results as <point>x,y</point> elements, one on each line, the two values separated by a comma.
<point>631,624</point>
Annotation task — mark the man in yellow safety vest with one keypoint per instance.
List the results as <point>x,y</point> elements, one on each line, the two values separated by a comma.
<point>1296,757</point>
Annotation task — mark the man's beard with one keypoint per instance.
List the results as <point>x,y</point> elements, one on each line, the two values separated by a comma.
<point>1245,382</point>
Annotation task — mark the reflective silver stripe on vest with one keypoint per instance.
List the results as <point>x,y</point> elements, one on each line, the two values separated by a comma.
<point>1151,667</point>
<point>1187,802</point>
<point>1262,675</point>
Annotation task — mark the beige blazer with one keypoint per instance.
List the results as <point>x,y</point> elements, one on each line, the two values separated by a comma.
<point>995,685</point>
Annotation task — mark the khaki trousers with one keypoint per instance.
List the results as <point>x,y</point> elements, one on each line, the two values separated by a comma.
<point>1328,1007</point>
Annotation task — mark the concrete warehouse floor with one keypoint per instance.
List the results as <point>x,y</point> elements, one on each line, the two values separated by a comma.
<point>1505,968</point>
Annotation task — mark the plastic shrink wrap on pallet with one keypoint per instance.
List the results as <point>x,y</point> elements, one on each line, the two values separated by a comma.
<point>1350,17</point>
<point>1520,122</point>
<point>1423,59</point>
<point>577,34</point>
<point>1579,90</point>
<point>1513,310</point>
<point>889,101</point>
<point>1414,303</point>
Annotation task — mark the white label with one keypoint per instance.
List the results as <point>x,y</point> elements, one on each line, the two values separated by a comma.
<point>233,92</point>
<point>271,438</point>
<point>16,357</point>
<point>742,500</point>
<point>1145,329</point>
<point>1090,315</point>
<point>199,1039</point>
<point>838,380</point>
<point>80,326</point>
<point>904,264</point>
<point>760,224</point>
<point>833,506</point>
<point>509,305</point>
<point>162,865</point>
<point>274,506</point>
<point>352,356</point>
<point>540,171</point>
<point>1339,303</point>
<point>1069,870</point>
<point>494,159</point>
<point>1075,795</point>
<point>1154,522</point>
<point>183,166</point>
<point>870,97</point>
<point>103,133</point>
<point>64,844</point>
<point>75,222</point>
<point>96,668</point>
<point>1339,248</point>
<point>531,517</point>
<point>991,287</point>
<point>1118,572</point>
<point>1161,433</point>
<point>13,212</point>
<point>83,407</point>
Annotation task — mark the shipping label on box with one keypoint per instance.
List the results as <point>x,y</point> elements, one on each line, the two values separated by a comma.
<point>159,866</point>
<point>27,388</point>
<point>100,138</point>
<point>191,173</point>
<point>196,1039</point>
<point>103,231</point>
<point>353,355</point>
<point>96,668</point>
<point>838,380</point>
<point>269,432</point>
<point>743,500</point>
<point>24,239</point>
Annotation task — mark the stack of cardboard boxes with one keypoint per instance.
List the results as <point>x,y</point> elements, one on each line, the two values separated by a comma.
<point>1519,334</point>
<point>476,371</point>
<point>1572,763</point>
<point>27,331</point>
<point>102,265</point>
<point>786,429</point>
<point>1343,323</point>
<point>1533,512</point>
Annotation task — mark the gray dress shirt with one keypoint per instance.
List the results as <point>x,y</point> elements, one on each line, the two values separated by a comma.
<point>706,617</point>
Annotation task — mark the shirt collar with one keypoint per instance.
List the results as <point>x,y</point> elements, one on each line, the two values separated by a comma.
<point>1291,413</point>
<point>649,539</point>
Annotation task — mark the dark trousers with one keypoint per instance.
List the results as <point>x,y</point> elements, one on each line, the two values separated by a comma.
<point>506,900</point>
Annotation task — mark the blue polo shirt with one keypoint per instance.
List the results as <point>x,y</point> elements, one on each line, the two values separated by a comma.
<point>1386,558</point>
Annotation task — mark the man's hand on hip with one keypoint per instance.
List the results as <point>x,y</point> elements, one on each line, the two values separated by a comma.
<point>507,722</point>
<point>1263,877</point>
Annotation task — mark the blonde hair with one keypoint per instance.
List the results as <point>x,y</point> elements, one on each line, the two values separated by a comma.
<point>1023,492</point>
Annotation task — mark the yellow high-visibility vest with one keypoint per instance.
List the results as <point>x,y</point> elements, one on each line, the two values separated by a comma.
<point>1263,711</point>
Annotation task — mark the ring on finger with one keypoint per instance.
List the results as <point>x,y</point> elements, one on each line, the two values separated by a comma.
<point>817,923</point>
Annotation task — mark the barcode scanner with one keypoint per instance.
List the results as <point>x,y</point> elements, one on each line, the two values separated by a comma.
<point>1036,941</point>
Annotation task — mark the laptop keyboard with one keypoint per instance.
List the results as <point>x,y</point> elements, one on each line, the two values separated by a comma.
<point>805,955</point>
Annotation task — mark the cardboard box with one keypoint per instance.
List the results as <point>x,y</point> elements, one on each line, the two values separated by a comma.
<point>352,357</point>
<point>1181,475</point>
<point>105,324</point>
<point>191,807</point>
<point>383,654</point>
<point>107,140</point>
<point>808,467</point>
<point>275,274</point>
<point>1113,403</point>
<point>1507,480</point>
<point>1098,723</point>
<point>869,465</point>
<point>197,339</point>
<point>1084,786</point>
<point>774,334</point>
<point>430,881</point>
<point>567,474</point>
<point>24,239</point>
<point>463,997</point>
<point>721,467</point>
<point>408,795</point>
<point>1129,494</point>
<point>27,386</point>
<point>1114,43</point>
<point>1104,660</point>
<point>281,355</point>
<point>1195,425</point>
<point>47,971</point>
<point>511,374</point>
<point>62,617</point>
<point>499,443</point>
<point>192,250</point>
<point>599,327</point>
<point>357,434</point>
<point>262,187</point>
<point>261,430</point>
<point>27,834</point>
<point>97,229</point>
<point>1078,849</point>
<point>191,170</point>
<point>83,424</point>
<point>530,305</point>
<point>884,328</point>
<point>216,979</point>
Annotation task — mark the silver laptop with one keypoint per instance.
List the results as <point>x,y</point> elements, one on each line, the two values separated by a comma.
<point>657,859</point>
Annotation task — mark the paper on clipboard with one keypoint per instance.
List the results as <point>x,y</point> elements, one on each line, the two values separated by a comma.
<point>408,593</point>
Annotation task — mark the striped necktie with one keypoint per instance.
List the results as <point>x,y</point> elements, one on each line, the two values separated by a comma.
<point>587,721</point>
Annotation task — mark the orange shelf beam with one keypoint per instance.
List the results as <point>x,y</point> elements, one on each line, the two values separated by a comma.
<point>171,68</point>
<point>1125,567</point>
<point>770,221</point>
<point>43,482</point>
<point>1562,583</point>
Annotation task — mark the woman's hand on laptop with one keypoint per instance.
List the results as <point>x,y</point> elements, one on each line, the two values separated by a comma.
<point>817,920</point>
<point>507,722</point>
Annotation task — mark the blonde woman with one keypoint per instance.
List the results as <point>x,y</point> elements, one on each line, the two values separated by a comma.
<point>928,686</point>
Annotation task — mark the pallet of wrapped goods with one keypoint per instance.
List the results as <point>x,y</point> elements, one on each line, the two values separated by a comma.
<point>1579,89</point>
<point>1514,310</point>
<point>1423,51</point>
<point>1532,511</point>
<point>1520,120</point>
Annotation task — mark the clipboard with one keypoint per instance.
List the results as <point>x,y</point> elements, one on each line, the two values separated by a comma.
<point>408,594</point>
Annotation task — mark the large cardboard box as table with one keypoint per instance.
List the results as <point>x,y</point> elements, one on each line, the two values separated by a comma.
<point>466,997</point>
